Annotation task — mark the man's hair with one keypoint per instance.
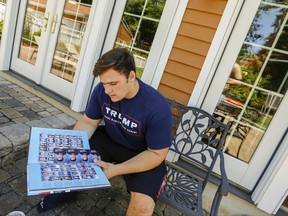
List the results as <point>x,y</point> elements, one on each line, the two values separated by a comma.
<point>119,59</point>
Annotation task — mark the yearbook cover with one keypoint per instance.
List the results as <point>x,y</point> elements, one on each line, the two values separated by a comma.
<point>61,161</point>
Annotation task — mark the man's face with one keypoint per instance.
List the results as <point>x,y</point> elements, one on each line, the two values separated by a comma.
<point>116,85</point>
<point>60,156</point>
<point>85,157</point>
<point>73,157</point>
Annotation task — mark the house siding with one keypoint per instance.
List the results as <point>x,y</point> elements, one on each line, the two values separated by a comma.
<point>190,48</point>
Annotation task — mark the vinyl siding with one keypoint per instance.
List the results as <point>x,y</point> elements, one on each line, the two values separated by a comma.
<point>190,48</point>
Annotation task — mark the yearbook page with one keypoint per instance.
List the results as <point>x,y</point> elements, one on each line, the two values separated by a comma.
<point>61,161</point>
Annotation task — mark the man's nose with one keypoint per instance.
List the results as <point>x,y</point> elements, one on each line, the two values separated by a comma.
<point>108,90</point>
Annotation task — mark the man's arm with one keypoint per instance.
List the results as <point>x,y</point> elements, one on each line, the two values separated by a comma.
<point>87,124</point>
<point>233,81</point>
<point>144,161</point>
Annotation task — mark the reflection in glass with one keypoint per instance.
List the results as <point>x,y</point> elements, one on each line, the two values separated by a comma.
<point>31,31</point>
<point>135,7</point>
<point>280,2</point>
<point>147,31</point>
<point>274,77</point>
<point>72,29</point>
<point>282,41</point>
<point>251,99</point>
<point>130,24</point>
<point>252,57</point>
<point>266,25</point>
<point>154,9</point>
<point>138,28</point>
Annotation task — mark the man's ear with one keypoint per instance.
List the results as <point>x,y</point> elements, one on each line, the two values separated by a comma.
<point>132,75</point>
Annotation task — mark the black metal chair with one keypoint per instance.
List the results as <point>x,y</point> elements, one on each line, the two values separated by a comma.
<point>198,141</point>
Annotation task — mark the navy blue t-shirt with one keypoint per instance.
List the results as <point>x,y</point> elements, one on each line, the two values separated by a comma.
<point>144,121</point>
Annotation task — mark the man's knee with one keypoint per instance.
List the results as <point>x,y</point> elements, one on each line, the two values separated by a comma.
<point>140,204</point>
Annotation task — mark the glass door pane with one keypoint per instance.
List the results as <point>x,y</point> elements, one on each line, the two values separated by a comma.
<point>33,21</point>
<point>258,81</point>
<point>72,29</point>
<point>138,27</point>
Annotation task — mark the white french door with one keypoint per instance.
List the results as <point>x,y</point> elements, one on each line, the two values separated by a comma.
<point>256,99</point>
<point>48,42</point>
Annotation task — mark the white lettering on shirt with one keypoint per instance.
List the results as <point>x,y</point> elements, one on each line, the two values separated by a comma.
<point>127,123</point>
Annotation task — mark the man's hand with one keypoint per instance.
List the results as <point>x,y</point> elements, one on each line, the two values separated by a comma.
<point>109,169</point>
<point>87,124</point>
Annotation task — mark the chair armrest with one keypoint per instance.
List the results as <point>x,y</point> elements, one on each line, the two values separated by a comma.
<point>222,189</point>
<point>224,185</point>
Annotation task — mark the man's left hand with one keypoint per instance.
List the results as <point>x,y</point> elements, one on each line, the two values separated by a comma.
<point>108,168</point>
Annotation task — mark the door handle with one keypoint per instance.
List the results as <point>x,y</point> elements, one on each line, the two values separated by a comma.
<point>45,21</point>
<point>54,22</point>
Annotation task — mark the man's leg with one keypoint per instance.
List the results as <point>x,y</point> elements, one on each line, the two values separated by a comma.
<point>51,201</point>
<point>140,204</point>
<point>144,188</point>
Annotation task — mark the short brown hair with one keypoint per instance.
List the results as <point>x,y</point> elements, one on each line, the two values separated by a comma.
<point>119,59</point>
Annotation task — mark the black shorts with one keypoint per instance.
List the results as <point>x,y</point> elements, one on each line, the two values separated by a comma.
<point>149,182</point>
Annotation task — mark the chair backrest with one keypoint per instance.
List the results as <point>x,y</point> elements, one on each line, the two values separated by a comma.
<point>198,138</point>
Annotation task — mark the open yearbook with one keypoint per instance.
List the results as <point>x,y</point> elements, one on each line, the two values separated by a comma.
<point>61,161</point>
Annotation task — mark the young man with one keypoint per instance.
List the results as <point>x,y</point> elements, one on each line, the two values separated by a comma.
<point>137,133</point>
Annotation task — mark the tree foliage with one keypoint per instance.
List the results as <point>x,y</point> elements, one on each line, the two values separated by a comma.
<point>252,58</point>
<point>147,25</point>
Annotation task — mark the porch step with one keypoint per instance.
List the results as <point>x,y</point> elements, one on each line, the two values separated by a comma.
<point>20,110</point>
<point>282,212</point>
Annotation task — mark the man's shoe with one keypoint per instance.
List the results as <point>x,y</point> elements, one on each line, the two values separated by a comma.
<point>16,213</point>
<point>53,200</point>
